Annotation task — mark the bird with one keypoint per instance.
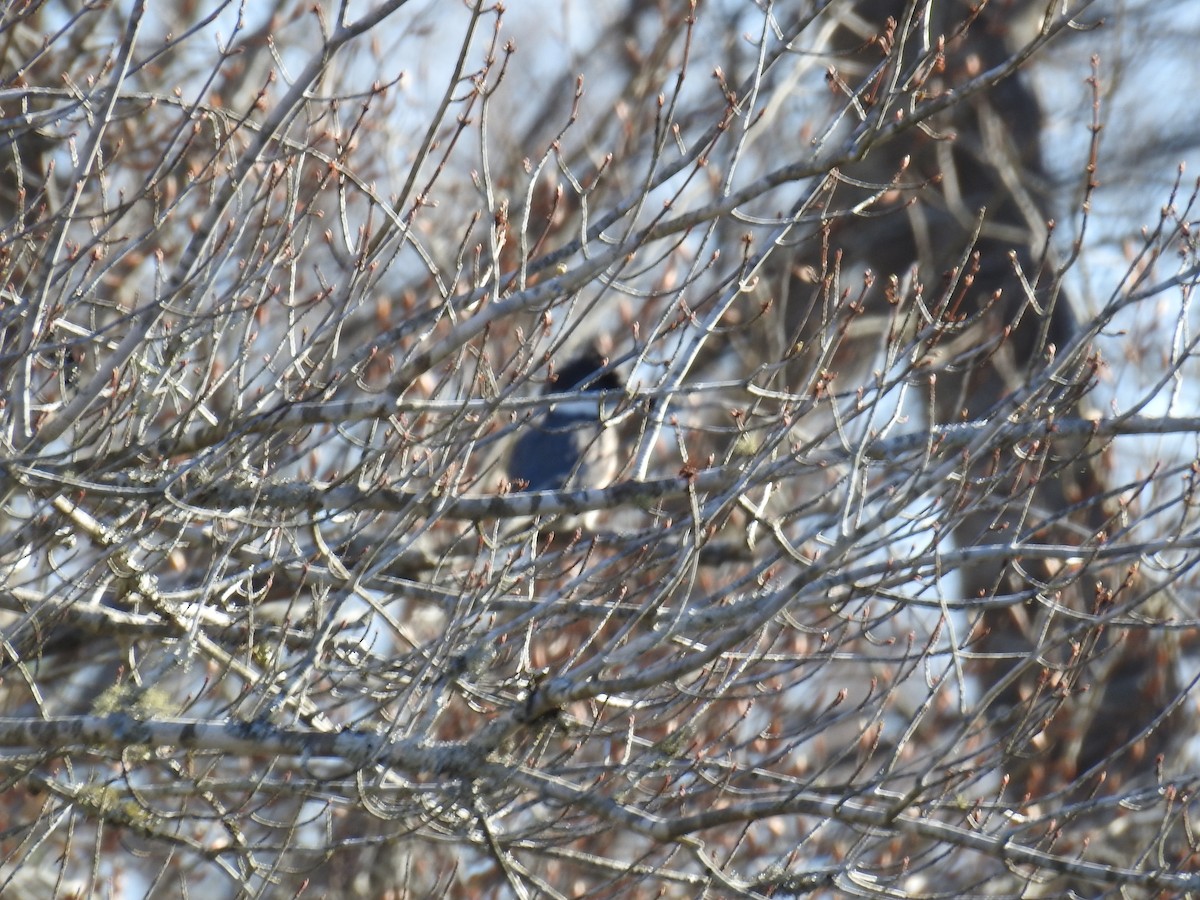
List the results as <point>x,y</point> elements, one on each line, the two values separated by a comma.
<point>568,447</point>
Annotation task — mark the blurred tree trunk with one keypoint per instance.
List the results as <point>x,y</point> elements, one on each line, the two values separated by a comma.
<point>964,205</point>
<point>23,147</point>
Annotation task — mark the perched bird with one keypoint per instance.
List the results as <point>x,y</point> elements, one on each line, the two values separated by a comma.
<point>566,447</point>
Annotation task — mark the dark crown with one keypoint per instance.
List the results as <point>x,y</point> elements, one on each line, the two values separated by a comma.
<point>584,371</point>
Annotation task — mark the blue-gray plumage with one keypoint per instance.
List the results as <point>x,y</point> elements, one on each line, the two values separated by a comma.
<point>566,447</point>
